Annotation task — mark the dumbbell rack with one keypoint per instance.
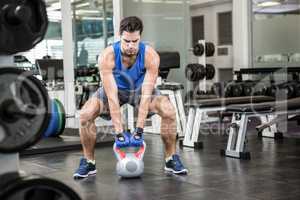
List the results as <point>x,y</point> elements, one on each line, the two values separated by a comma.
<point>272,131</point>
<point>295,71</point>
<point>202,61</point>
<point>9,162</point>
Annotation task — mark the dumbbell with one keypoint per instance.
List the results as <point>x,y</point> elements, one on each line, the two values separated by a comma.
<point>236,89</point>
<point>260,88</point>
<point>210,71</point>
<point>288,88</point>
<point>195,72</point>
<point>248,87</point>
<point>198,49</point>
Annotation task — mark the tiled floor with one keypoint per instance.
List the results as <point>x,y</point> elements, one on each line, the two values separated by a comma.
<point>272,173</point>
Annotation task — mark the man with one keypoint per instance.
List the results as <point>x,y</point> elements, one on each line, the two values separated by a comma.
<point>128,71</point>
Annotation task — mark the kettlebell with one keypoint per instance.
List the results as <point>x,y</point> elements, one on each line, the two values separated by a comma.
<point>130,160</point>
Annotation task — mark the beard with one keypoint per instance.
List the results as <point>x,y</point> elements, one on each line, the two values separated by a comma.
<point>129,54</point>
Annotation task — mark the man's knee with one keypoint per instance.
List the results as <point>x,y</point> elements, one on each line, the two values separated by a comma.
<point>167,108</point>
<point>88,113</point>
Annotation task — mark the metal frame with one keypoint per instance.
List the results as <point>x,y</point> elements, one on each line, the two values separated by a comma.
<point>236,146</point>
<point>237,135</point>
<point>196,117</point>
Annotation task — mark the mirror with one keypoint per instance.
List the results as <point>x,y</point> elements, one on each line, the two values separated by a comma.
<point>276,33</point>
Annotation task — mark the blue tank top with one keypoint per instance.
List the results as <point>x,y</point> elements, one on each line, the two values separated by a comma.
<point>129,78</point>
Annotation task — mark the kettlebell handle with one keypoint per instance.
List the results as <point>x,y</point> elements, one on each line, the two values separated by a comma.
<point>120,154</point>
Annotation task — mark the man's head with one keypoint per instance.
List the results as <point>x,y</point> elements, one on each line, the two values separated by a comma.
<point>131,29</point>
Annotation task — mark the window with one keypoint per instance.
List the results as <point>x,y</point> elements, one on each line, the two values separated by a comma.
<point>225,28</point>
<point>197,29</point>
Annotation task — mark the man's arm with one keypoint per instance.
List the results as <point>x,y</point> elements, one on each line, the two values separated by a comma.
<point>106,65</point>
<point>152,66</point>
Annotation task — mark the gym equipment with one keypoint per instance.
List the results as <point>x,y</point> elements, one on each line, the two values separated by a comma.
<point>57,121</point>
<point>24,103</point>
<point>228,89</point>
<point>209,49</point>
<point>269,112</point>
<point>86,71</point>
<point>23,25</point>
<point>236,89</point>
<point>62,117</point>
<point>130,161</point>
<point>261,89</point>
<point>198,49</point>
<point>195,72</point>
<point>198,114</point>
<point>24,110</point>
<point>248,86</point>
<point>218,89</point>
<point>210,71</point>
<point>297,89</point>
<point>288,89</point>
<point>34,187</point>
<point>54,121</point>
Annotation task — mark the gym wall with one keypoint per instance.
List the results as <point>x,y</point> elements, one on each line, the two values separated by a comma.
<point>210,10</point>
<point>164,28</point>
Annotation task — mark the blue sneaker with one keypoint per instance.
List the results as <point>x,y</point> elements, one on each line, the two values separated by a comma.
<point>175,165</point>
<point>85,169</point>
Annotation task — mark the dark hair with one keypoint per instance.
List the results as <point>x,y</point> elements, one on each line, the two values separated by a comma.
<point>131,24</point>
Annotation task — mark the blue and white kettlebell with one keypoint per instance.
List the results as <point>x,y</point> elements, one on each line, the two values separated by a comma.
<point>130,161</point>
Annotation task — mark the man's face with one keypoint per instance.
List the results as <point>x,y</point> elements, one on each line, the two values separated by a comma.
<point>130,43</point>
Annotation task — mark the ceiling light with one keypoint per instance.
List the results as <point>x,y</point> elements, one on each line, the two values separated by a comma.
<point>268,3</point>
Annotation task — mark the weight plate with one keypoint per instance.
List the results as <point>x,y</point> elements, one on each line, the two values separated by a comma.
<point>62,114</point>
<point>37,188</point>
<point>23,25</point>
<point>54,121</point>
<point>24,109</point>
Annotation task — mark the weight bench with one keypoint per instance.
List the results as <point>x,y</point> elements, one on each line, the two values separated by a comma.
<point>199,109</point>
<point>173,91</point>
<point>236,146</point>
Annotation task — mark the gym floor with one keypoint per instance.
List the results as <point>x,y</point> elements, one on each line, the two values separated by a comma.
<point>272,173</point>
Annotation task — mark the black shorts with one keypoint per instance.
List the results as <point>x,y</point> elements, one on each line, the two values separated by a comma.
<point>132,97</point>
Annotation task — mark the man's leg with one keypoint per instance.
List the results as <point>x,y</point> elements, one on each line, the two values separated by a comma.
<point>89,112</point>
<point>165,109</point>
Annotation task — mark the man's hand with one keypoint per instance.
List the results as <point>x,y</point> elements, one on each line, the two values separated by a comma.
<point>122,139</point>
<point>137,137</point>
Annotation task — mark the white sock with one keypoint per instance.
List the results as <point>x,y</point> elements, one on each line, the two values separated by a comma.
<point>92,161</point>
<point>169,158</point>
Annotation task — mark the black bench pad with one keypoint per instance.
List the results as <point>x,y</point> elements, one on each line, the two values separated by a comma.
<point>203,103</point>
